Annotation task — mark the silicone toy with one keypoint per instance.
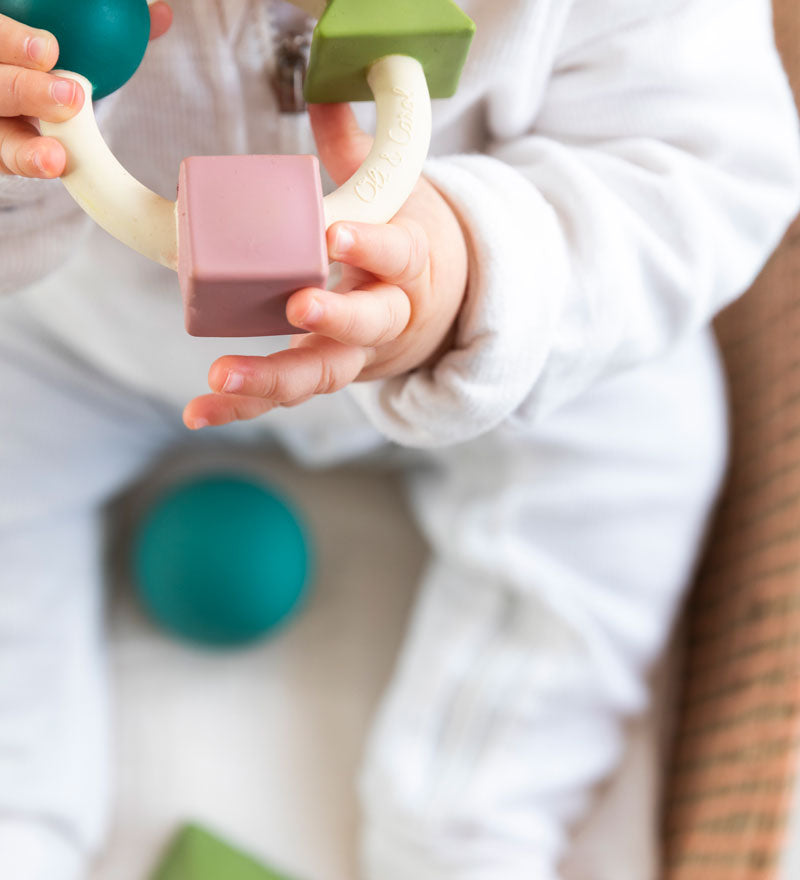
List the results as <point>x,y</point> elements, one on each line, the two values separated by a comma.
<point>230,277</point>
<point>242,250</point>
<point>221,560</point>
<point>352,33</point>
<point>196,854</point>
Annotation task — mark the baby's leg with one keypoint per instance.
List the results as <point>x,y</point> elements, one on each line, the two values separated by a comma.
<point>69,439</point>
<point>561,556</point>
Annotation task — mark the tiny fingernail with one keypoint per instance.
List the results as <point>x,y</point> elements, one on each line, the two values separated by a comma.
<point>314,312</point>
<point>39,162</point>
<point>38,49</point>
<point>197,424</point>
<point>63,92</point>
<point>234,382</point>
<point>344,240</point>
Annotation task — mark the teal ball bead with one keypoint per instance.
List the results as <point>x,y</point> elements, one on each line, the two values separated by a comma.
<point>104,40</point>
<point>221,560</point>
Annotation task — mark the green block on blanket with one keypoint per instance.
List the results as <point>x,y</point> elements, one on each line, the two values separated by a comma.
<point>197,854</point>
<point>352,34</point>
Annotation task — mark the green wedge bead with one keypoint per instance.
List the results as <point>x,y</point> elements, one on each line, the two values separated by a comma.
<point>197,854</point>
<point>352,34</point>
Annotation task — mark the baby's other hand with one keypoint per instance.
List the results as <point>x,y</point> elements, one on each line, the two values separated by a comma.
<point>393,312</point>
<point>28,92</point>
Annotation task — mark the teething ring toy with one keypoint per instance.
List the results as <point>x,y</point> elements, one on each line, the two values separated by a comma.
<point>247,231</point>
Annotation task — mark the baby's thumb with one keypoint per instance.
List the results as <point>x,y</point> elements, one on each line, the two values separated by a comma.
<point>341,143</point>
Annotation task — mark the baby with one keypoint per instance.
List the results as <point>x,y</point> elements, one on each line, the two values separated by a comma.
<point>532,328</point>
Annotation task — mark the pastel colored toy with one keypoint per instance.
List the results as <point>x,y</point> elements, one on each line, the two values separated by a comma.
<point>197,854</point>
<point>221,560</point>
<point>247,231</point>
<point>351,34</point>
<point>230,278</point>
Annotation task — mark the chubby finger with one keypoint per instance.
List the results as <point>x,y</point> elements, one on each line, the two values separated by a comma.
<point>33,93</point>
<point>396,253</point>
<point>341,142</point>
<point>316,366</point>
<point>25,46</point>
<point>370,317</point>
<point>213,410</point>
<point>24,152</point>
<point>160,19</point>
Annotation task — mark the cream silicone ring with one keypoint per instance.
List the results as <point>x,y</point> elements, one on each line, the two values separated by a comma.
<point>107,192</point>
<point>380,187</point>
<point>147,222</point>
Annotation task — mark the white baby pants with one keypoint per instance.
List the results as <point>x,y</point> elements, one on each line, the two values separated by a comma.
<point>560,555</point>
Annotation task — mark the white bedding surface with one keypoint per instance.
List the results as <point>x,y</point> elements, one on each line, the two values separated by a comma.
<point>263,745</point>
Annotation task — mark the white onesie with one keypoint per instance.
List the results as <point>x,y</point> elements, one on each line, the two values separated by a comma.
<point>622,169</point>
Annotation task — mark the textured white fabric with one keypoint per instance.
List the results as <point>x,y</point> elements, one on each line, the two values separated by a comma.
<point>70,439</point>
<point>560,554</point>
<point>640,159</point>
<point>31,851</point>
<point>557,572</point>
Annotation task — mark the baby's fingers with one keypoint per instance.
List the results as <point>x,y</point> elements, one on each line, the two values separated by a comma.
<point>33,93</point>
<point>220,409</point>
<point>341,143</point>
<point>23,151</point>
<point>370,317</point>
<point>398,252</point>
<point>316,366</point>
<point>25,46</point>
<point>160,20</point>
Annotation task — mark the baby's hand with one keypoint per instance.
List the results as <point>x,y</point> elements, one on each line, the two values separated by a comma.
<point>28,92</point>
<point>393,312</point>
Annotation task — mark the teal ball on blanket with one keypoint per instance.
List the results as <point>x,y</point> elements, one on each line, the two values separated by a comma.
<point>221,560</point>
<point>104,40</point>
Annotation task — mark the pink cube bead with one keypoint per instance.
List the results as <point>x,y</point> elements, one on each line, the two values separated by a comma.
<point>251,231</point>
